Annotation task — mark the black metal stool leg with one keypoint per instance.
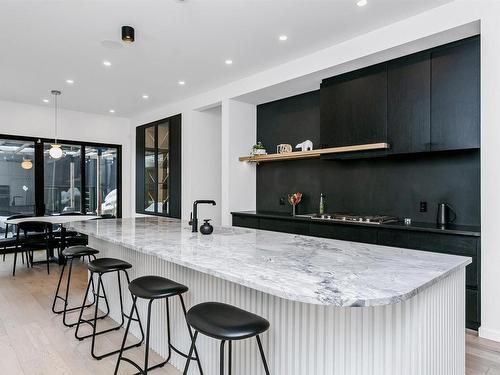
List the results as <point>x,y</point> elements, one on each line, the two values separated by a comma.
<point>190,333</point>
<point>122,348</point>
<point>264,362</point>
<point>82,307</point>
<point>222,357</point>
<point>56,295</point>
<point>230,355</point>
<point>122,314</point>
<point>190,355</point>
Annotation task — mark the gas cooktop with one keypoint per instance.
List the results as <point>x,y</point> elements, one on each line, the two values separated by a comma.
<point>367,219</point>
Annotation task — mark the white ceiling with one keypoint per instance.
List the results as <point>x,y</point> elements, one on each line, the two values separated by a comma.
<point>45,42</point>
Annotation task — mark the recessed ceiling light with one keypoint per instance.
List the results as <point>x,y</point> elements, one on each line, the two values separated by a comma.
<point>111,111</point>
<point>128,34</point>
<point>45,100</point>
<point>144,96</point>
<point>182,83</point>
<point>70,81</point>
<point>229,62</point>
<point>106,63</point>
<point>362,3</point>
<point>284,37</point>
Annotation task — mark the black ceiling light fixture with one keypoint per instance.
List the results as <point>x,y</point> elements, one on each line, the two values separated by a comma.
<point>128,34</point>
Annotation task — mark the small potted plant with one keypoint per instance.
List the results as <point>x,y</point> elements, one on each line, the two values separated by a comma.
<point>258,149</point>
<point>294,199</point>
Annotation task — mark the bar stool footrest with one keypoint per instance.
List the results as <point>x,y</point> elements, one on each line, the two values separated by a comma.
<point>141,371</point>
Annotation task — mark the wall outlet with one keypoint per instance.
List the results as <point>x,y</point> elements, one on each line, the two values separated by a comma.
<point>282,201</point>
<point>423,206</point>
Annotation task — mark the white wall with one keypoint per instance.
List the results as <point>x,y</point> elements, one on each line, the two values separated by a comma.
<point>38,121</point>
<point>440,25</point>
<point>205,154</point>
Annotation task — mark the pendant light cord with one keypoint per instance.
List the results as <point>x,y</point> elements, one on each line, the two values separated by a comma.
<point>55,118</point>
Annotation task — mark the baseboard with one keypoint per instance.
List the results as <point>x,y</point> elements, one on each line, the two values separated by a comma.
<point>489,334</point>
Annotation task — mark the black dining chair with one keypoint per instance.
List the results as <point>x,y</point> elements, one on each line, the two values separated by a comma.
<point>6,241</point>
<point>34,236</point>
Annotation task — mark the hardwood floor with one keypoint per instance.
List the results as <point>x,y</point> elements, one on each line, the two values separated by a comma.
<point>33,341</point>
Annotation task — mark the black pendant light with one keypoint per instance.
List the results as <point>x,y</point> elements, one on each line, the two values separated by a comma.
<point>128,34</point>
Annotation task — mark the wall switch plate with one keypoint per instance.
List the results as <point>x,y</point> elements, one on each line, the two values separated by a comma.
<point>282,201</point>
<point>423,206</point>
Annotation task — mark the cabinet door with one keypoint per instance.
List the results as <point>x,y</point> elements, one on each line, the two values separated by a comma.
<point>409,104</point>
<point>354,108</point>
<point>245,221</point>
<point>344,232</point>
<point>286,226</point>
<point>455,96</point>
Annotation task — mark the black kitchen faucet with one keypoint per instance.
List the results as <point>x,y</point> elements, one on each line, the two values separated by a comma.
<point>194,214</point>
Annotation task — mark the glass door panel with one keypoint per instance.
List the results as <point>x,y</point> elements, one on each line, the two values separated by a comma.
<point>150,176</point>
<point>163,167</point>
<point>62,180</point>
<point>101,181</point>
<point>17,178</point>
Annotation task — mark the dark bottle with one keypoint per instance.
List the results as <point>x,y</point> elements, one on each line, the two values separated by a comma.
<point>206,228</point>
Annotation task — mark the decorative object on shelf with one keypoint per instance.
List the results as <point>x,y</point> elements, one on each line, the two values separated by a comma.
<point>283,148</point>
<point>206,227</point>
<point>55,151</point>
<point>294,199</point>
<point>258,149</point>
<point>305,146</point>
<point>26,164</point>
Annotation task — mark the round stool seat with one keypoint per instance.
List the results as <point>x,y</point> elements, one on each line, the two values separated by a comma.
<point>225,322</point>
<point>103,265</point>
<point>79,251</point>
<point>152,287</point>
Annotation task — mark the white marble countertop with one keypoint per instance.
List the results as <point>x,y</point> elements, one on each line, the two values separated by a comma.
<point>299,268</point>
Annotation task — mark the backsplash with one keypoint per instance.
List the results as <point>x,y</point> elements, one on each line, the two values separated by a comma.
<point>391,186</point>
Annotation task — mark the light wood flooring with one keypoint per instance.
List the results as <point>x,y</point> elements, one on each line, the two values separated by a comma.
<point>33,341</point>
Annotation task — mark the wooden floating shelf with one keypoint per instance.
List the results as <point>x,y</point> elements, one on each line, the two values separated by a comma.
<point>313,153</point>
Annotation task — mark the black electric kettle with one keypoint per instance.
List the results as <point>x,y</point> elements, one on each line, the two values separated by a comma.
<point>445,214</point>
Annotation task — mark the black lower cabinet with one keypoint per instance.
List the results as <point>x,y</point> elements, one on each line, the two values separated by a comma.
<point>285,226</point>
<point>427,241</point>
<point>343,232</point>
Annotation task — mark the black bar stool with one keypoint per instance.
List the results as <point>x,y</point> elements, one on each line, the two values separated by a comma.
<point>152,288</point>
<point>226,323</point>
<point>102,266</point>
<point>71,253</point>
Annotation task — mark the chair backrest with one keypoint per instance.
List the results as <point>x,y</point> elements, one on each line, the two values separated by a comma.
<point>17,216</point>
<point>33,228</point>
<point>70,213</point>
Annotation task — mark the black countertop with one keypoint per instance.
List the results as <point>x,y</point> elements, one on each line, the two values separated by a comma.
<point>464,230</point>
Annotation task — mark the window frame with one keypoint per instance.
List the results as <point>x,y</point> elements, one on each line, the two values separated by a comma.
<point>39,167</point>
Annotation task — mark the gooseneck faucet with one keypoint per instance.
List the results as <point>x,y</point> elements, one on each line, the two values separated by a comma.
<point>194,214</point>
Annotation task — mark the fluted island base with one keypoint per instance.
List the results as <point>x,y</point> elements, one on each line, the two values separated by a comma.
<point>422,335</point>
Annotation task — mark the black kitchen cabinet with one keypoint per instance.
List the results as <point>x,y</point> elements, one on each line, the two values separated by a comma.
<point>343,232</point>
<point>409,104</point>
<point>246,221</point>
<point>353,108</point>
<point>472,309</point>
<point>277,225</point>
<point>455,92</point>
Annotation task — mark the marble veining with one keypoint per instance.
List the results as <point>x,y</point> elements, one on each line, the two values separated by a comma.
<point>298,268</point>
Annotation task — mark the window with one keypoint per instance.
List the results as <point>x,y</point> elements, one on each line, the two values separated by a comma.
<point>17,177</point>
<point>86,179</point>
<point>62,180</point>
<point>101,180</point>
<point>158,168</point>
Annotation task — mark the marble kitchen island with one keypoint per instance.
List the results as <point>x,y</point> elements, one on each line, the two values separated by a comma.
<point>335,307</point>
